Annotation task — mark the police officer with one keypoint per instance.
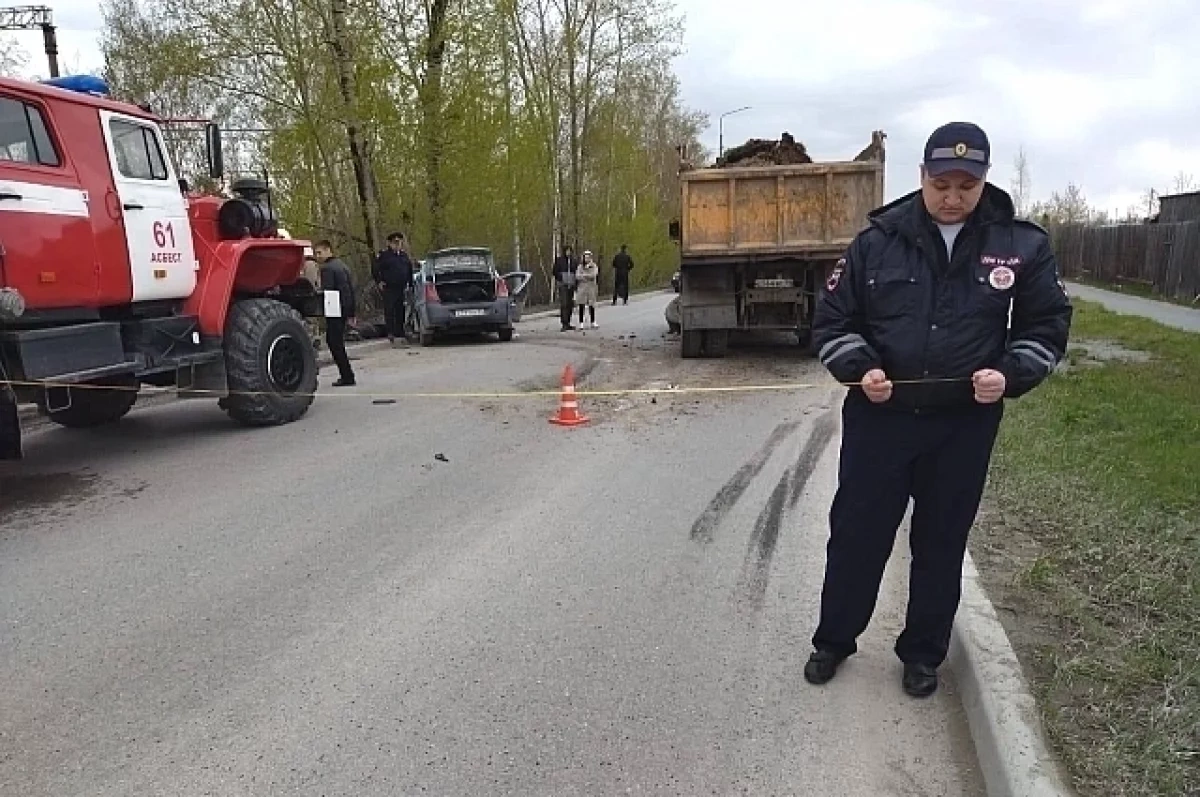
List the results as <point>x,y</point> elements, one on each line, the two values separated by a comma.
<point>393,273</point>
<point>916,317</point>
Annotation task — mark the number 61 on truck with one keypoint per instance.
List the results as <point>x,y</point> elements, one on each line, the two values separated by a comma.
<point>114,275</point>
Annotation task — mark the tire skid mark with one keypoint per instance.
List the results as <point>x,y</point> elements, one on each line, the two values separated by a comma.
<point>756,570</point>
<point>725,499</point>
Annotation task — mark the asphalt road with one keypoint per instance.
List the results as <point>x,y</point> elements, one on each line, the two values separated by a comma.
<point>332,608</point>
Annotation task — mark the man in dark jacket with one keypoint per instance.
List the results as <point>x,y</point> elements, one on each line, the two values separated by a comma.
<point>915,318</point>
<point>393,273</point>
<point>335,276</point>
<point>622,265</point>
<point>564,278</point>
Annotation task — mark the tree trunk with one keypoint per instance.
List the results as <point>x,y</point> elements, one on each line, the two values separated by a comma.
<point>509,136</point>
<point>431,121</point>
<point>364,180</point>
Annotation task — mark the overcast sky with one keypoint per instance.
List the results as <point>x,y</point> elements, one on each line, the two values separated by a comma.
<point>1099,92</point>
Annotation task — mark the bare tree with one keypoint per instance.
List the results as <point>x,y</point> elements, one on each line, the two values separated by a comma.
<point>1150,201</point>
<point>1072,205</point>
<point>13,57</point>
<point>1183,183</point>
<point>1021,182</point>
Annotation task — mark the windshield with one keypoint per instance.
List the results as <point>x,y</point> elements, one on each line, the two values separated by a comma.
<point>462,261</point>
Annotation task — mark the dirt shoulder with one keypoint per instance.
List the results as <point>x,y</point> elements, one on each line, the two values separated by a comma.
<point>1089,545</point>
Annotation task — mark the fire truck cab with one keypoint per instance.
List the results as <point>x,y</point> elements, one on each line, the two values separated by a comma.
<point>114,275</point>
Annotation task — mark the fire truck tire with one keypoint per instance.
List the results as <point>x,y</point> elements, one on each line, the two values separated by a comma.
<point>269,363</point>
<point>94,406</point>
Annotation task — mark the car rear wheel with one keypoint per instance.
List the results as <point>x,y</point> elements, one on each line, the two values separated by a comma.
<point>424,336</point>
<point>505,335</point>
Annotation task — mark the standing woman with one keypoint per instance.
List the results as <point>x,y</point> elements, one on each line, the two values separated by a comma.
<point>588,291</point>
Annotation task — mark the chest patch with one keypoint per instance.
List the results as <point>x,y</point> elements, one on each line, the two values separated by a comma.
<point>1001,278</point>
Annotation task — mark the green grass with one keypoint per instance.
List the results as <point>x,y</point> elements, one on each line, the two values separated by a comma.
<point>1100,469</point>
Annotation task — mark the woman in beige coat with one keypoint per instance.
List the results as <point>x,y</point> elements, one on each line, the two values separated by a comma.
<point>587,290</point>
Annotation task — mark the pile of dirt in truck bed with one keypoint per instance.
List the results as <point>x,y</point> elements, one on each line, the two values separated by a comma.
<point>761,152</point>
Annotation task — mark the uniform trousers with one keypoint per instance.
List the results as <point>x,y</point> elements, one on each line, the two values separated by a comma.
<point>939,459</point>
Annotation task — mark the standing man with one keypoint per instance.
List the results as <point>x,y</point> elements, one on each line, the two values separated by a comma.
<point>564,278</point>
<point>335,276</point>
<point>622,265</point>
<point>916,317</point>
<point>393,273</point>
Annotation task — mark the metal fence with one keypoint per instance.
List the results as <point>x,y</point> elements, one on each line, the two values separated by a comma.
<point>1164,257</point>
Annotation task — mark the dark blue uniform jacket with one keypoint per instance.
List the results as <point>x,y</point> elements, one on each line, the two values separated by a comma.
<point>896,301</point>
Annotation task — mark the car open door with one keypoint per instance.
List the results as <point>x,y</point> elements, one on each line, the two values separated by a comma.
<point>518,283</point>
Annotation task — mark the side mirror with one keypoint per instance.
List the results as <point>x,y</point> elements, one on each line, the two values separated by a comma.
<point>674,230</point>
<point>212,142</point>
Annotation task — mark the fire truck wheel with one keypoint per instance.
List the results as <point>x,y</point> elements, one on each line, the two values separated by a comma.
<point>269,363</point>
<point>85,407</point>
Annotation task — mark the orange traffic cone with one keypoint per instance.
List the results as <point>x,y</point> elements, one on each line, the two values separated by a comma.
<point>568,409</point>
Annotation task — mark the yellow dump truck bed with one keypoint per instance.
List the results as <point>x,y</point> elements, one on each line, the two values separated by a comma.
<point>809,209</point>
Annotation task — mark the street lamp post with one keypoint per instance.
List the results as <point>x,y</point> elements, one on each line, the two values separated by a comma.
<point>721,129</point>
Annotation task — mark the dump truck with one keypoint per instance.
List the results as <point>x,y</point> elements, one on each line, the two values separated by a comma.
<point>114,274</point>
<point>757,241</point>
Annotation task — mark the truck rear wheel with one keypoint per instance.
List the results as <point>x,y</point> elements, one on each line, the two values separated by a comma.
<point>101,402</point>
<point>269,363</point>
<point>692,344</point>
<point>716,342</point>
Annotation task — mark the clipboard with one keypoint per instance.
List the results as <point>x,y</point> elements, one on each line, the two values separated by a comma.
<point>333,304</point>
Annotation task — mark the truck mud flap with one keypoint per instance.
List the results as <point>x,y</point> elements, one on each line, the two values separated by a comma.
<point>10,421</point>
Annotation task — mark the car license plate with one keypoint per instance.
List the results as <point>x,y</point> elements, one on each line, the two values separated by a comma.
<point>469,313</point>
<point>778,283</point>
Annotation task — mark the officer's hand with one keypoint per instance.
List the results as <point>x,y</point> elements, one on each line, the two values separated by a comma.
<point>989,385</point>
<point>877,386</point>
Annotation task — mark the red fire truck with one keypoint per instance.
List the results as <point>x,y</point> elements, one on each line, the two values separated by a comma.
<point>113,274</point>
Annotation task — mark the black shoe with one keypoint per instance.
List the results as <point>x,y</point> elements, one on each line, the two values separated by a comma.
<point>822,666</point>
<point>344,383</point>
<point>920,680</point>
<point>568,328</point>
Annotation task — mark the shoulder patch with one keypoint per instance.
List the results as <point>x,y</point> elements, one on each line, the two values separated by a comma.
<point>835,276</point>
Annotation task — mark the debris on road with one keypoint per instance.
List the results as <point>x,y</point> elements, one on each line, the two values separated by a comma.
<point>440,457</point>
<point>762,152</point>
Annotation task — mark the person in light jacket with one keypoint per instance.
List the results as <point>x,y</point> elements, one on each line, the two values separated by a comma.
<point>587,291</point>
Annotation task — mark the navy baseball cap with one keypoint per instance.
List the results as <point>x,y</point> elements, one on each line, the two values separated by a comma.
<point>958,147</point>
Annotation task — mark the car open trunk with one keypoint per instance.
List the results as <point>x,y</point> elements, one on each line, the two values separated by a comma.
<point>465,287</point>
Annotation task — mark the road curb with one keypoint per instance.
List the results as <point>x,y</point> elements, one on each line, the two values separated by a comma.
<point>1001,710</point>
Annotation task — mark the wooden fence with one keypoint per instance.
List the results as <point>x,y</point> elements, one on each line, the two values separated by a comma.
<point>1164,257</point>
